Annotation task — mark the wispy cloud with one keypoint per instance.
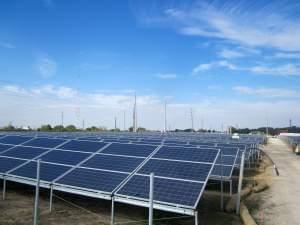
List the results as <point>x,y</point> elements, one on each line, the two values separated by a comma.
<point>238,23</point>
<point>7,45</point>
<point>282,70</point>
<point>166,76</point>
<point>267,92</point>
<point>287,55</point>
<point>46,67</point>
<point>229,54</point>
<point>212,65</point>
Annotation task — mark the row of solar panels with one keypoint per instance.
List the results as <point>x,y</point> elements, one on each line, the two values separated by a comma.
<point>104,169</point>
<point>183,139</point>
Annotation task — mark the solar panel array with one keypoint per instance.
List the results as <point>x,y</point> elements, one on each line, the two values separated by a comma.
<point>120,166</point>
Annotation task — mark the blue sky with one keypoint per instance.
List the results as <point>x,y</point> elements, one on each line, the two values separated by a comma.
<point>224,59</point>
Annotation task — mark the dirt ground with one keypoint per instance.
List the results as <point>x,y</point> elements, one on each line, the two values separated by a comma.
<point>17,209</point>
<point>278,205</point>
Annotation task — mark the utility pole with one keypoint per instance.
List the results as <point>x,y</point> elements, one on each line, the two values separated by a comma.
<point>192,119</point>
<point>83,124</point>
<point>62,118</point>
<point>115,123</point>
<point>267,128</point>
<point>124,120</point>
<point>134,114</point>
<point>165,126</point>
<point>290,123</point>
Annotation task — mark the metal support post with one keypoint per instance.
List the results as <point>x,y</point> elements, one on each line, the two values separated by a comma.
<point>51,198</point>
<point>112,218</point>
<point>4,189</point>
<point>151,192</point>
<point>238,200</point>
<point>196,217</point>
<point>222,191</point>
<point>37,192</point>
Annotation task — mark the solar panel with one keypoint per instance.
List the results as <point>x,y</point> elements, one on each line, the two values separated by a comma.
<point>116,163</point>
<point>130,149</point>
<point>175,169</point>
<point>14,140</point>
<point>24,152</point>
<point>64,157</point>
<point>5,147</point>
<point>83,146</point>
<point>45,142</point>
<point>217,171</point>
<point>7,164</point>
<point>48,172</point>
<point>226,160</point>
<point>188,154</point>
<point>93,179</point>
<point>165,190</point>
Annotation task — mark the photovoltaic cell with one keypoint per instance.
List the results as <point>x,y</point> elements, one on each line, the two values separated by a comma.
<point>217,171</point>
<point>226,160</point>
<point>175,169</point>
<point>14,140</point>
<point>83,146</point>
<point>7,164</point>
<point>130,149</point>
<point>93,179</point>
<point>48,172</point>
<point>45,142</point>
<point>24,152</point>
<point>65,157</point>
<point>165,190</point>
<point>116,163</point>
<point>188,154</point>
<point>5,147</point>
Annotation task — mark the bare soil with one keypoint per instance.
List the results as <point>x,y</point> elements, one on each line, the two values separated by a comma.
<point>17,209</point>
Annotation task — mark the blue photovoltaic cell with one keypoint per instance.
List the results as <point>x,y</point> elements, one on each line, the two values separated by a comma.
<point>175,169</point>
<point>188,154</point>
<point>226,160</point>
<point>165,190</point>
<point>24,152</point>
<point>130,149</point>
<point>116,163</point>
<point>14,140</point>
<point>45,142</point>
<point>5,147</point>
<point>217,171</point>
<point>48,171</point>
<point>83,146</point>
<point>229,150</point>
<point>65,157</point>
<point>7,164</point>
<point>93,179</point>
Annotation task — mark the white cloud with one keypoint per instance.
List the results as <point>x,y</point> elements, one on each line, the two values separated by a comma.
<point>282,70</point>
<point>287,55</point>
<point>268,92</point>
<point>166,76</point>
<point>46,67</point>
<point>229,54</point>
<point>213,65</point>
<point>235,23</point>
<point>41,105</point>
<point>7,45</point>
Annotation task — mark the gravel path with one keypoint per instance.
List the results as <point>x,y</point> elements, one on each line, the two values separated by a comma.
<point>280,204</point>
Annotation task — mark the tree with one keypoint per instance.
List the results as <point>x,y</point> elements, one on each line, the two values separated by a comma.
<point>45,128</point>
<point>70,128</point>
<point>58,128</point>
<point>141,129</point>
